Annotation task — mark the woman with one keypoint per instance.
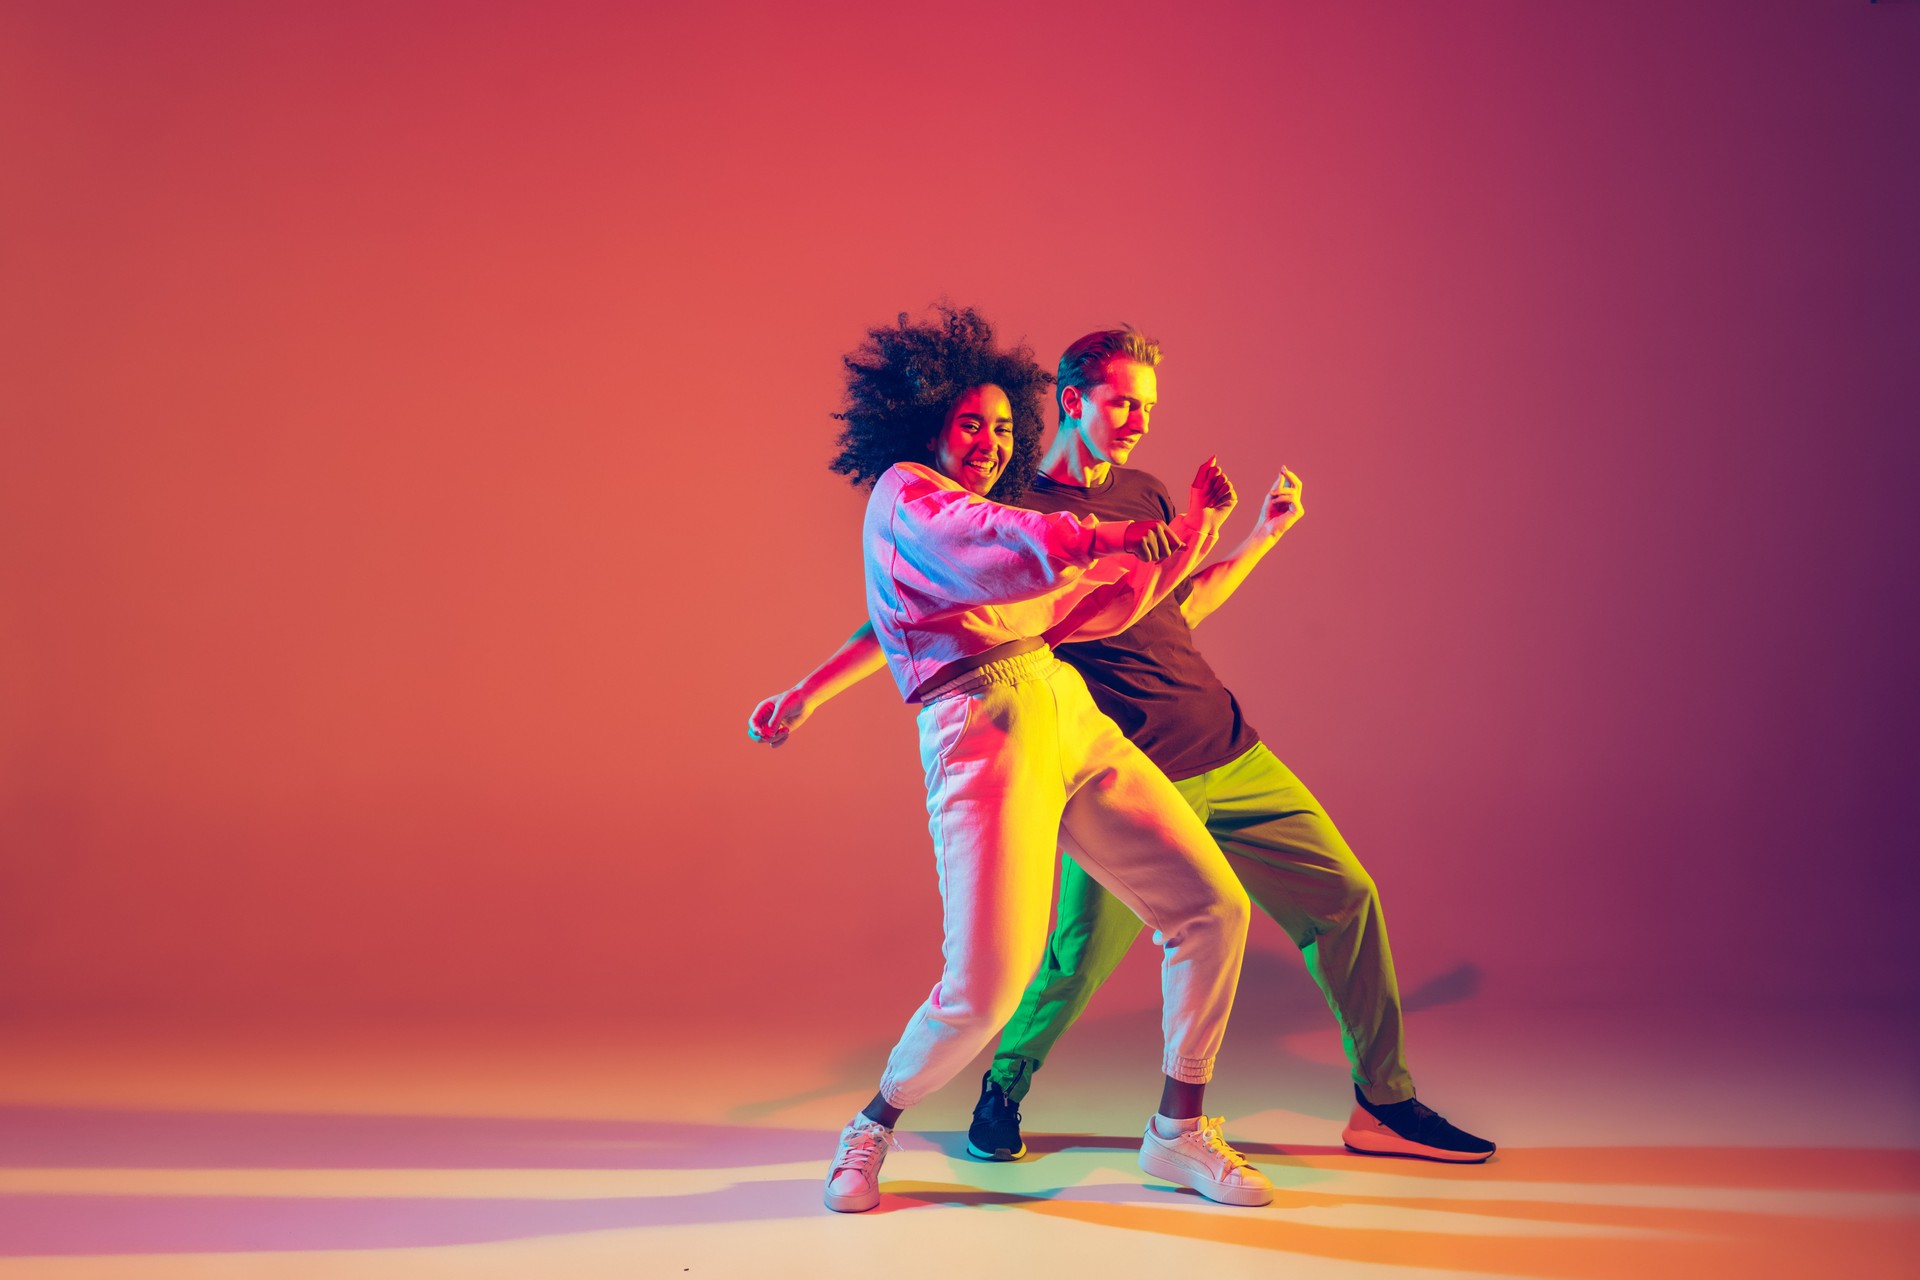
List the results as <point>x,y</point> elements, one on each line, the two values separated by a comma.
<point>964,596</point>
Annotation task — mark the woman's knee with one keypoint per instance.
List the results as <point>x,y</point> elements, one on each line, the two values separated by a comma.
<point>985,996</point>
<point>1226,910</point>
<point>1233,907</point>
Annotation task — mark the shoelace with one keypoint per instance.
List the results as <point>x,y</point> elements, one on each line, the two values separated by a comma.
<point>1418,1121</point>
<point>1215,1141</point>
<point>1426,1119</point>
<point>863,1149</point>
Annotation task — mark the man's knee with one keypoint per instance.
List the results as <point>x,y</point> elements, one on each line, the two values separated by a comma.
<point>1358,891</point>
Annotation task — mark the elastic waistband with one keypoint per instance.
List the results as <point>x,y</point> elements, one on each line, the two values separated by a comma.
<point>1021,666</point>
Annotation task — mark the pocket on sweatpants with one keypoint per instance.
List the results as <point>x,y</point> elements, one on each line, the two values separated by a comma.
<point>942,725</point>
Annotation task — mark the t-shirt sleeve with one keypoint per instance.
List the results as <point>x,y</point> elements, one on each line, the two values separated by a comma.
<point>1161,498</point>
<point>1155,494</point>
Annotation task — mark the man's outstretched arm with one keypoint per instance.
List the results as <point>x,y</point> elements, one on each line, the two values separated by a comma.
<point>851,663</point>
<point>1212,586</point>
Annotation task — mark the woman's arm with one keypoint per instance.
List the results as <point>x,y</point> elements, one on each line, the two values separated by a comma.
<point>940,542</point>
<point>851,663</point>
<point>1110,609</point>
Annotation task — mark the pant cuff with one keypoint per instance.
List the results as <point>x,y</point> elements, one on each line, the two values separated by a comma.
<point>1188,1070</point>
<point>1014,1074</point>
<point>895,1096</point>
<point>1385,1095</point>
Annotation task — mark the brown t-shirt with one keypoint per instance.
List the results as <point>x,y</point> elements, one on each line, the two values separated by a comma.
<point>1150,678</point>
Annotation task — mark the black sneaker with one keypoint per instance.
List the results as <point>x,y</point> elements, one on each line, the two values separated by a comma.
<point>995,1132</point>
<point>1410,1128</point>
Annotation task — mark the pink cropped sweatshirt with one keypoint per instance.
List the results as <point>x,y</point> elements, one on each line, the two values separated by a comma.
<point>951,574</point>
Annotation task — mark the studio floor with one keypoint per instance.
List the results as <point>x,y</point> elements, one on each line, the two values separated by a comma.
<point>1721,1144</point>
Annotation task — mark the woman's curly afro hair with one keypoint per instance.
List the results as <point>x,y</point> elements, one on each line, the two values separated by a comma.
<point>905,378</point>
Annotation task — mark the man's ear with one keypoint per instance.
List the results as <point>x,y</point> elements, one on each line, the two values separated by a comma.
<point>1071,402</point>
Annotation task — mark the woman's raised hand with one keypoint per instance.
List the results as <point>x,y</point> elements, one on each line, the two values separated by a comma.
<point>1212,496</point>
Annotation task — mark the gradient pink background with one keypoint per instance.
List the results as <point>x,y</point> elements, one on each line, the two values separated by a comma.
<point>414,432</point>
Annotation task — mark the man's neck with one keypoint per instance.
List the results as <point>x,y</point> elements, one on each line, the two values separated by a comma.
<point>1069,461</point>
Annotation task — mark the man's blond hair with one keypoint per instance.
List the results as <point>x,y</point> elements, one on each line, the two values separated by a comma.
<point>1085,363</point>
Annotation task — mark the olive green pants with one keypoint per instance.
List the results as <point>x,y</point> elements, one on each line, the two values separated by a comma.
<point>1295,867</point>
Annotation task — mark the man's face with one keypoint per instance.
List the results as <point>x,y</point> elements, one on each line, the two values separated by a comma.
<point>1113,415</point>
<point>974,446</point>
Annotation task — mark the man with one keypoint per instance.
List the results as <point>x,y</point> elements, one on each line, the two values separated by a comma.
<point>1153,682</point>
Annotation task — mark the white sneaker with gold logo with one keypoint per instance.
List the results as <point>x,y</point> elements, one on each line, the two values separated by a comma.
<point>1201,1159</point>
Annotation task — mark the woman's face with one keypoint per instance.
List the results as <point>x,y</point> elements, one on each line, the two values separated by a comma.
<point>977,442</point>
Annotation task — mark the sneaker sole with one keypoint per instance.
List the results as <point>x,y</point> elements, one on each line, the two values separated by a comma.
<point>852,1204</point>
<point>1181,1176</point>
<point>999,1155</point>
<point>1361,1142</point>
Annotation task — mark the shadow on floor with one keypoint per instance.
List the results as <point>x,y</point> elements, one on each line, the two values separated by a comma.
<point>1538,1190</point>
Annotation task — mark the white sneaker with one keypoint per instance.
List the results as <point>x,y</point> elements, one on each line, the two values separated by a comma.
<point>853,1183</point>
<point>1201,1159</point>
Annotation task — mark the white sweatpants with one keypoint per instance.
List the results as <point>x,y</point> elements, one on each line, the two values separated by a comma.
<point>1019,761</point>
